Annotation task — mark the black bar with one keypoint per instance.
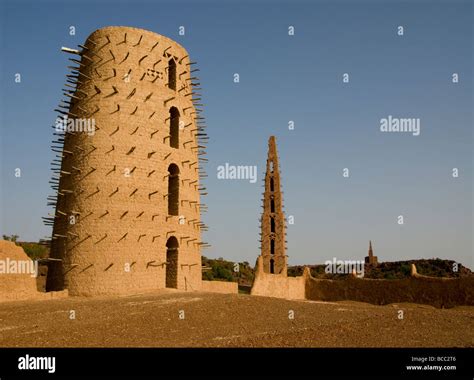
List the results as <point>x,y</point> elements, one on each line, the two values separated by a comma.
<point>288,362</point>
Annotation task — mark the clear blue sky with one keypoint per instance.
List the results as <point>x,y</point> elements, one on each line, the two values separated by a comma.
<point>282,78</point>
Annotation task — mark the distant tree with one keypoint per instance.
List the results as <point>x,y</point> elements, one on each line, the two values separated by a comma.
<point>222,273</point>
<point>207,276</point>
<point>12,238</point>
<point>35,250</point>
<point>405,269</point>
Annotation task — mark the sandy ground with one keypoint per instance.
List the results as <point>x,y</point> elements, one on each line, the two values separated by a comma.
<point>224,320</point>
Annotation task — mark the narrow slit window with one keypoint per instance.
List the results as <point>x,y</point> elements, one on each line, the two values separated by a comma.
<point>172,74</point>
<point>174,127</point>
<point>173,190</point>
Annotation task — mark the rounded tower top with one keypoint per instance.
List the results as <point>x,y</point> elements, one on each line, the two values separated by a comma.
<point>133,31</point>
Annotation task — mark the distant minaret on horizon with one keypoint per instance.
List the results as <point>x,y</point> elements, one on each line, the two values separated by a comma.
<point>273,245</point>
<point>371,259</point>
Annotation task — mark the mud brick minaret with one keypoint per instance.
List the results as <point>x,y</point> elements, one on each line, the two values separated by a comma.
<point>273,249</point>
<point>127,202</point>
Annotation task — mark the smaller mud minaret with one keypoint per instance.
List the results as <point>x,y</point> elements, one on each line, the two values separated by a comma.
<point>371,259</point>
<point>273,249</point>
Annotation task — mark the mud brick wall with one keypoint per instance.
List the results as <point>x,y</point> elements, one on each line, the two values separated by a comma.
<point>220,287</point>
<point>116,183</point>
<point>20,286</point>
<point>438,292</point>
<point>15,286</point>
<point>277,285</point>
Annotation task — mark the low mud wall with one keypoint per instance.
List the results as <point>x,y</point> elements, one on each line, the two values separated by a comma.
<point>438,292</point>
<point>277,285</point>
<point>220,287</point>
<point>17,280</point>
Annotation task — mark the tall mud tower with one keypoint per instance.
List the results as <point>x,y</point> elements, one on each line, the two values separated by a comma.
<point>273,245</point>
<point>127,210</point>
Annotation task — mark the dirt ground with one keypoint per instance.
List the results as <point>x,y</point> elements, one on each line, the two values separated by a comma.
<point>175,319</point>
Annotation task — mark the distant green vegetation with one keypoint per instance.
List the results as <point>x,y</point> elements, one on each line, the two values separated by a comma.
<point>12,238</point>
<point>432,267</point>
<point>33,250</point>
<point>393,270</point>
<point>218,270</point>
<point>222,270</point>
